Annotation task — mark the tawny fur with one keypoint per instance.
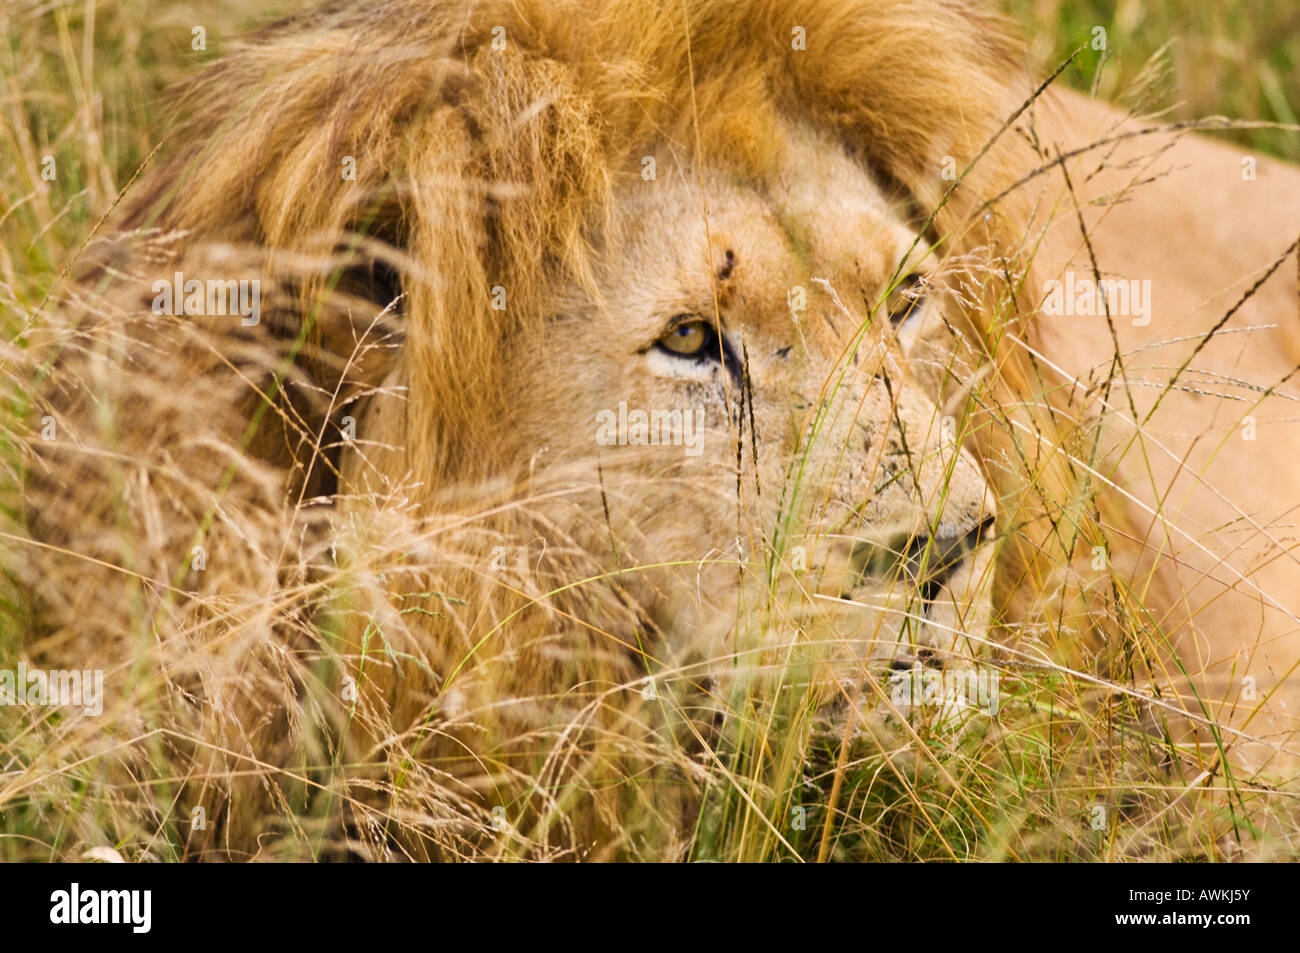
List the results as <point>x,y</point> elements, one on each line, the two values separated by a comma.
<point>453,611</point>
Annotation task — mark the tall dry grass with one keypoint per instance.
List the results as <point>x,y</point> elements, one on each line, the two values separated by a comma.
<point>678,767</point>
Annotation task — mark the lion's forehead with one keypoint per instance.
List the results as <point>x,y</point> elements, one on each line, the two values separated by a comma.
<point>758,248</point>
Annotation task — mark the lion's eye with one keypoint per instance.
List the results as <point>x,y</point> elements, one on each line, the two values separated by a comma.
<point>688,339</point>
<point>905,300</point>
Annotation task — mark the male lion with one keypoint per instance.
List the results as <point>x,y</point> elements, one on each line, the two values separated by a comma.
<point>604,367</point>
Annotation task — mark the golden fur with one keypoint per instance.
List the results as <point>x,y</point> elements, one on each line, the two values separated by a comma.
<point>1206,475</point>
<point>445,611</point>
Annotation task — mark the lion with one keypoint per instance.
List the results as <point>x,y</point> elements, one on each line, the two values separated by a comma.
<point>1200,433</point>
<point>477,401</point>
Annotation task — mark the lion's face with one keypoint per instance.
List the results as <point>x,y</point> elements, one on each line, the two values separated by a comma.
<point>728,400</point>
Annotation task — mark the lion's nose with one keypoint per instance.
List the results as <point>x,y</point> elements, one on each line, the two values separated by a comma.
<point>919,560</point>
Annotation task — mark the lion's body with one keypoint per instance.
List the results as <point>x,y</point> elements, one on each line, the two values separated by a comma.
<point>430,536</point>
<point>1211,481</point>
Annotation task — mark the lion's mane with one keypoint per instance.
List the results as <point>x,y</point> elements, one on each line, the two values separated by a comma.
<point>293,663</point>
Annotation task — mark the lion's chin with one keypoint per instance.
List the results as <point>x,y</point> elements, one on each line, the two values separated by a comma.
<point>889,630</point>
